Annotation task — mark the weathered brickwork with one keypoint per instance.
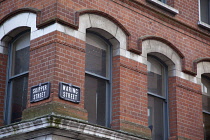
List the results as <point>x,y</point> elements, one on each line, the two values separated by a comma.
<point>59,56</point>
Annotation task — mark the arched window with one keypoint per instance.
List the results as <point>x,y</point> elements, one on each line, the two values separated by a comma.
<point>157,98</point>
<point>17,82</point>
<point>97,79</point>
<point>205,84</point>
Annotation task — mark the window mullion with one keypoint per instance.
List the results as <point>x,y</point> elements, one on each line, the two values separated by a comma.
<point>206,112</point>
<point>96,75</point>
<point>155,95</point>
<point>18,75</point>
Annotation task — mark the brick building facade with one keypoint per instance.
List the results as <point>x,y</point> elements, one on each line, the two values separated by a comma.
<point>142,68</point>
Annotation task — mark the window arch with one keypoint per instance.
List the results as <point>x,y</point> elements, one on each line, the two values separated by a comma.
<point>15,41</point>
<point>97,79</point>
<point>157,98</point>
<point>17,77</point>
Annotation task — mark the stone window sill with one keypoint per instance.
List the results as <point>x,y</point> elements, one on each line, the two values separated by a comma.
<point>165,6</point>
<point>204,25</point>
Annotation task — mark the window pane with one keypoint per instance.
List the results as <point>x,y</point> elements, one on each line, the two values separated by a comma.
<point>164,1</point>
<point>22,42</point>
<point>206,103</point>
<point>206,118</point>
<point>155,78</point>
<point>21,61</point>
<point>96,60</point>
<point>95,100</point>
<point>205,86</point>
<point>204,9</point>
<point>19,97</point>
<point>155,117</point>
<point>20,56</point>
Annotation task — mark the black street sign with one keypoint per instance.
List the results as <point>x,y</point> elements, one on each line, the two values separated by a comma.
<point>40,92</point>
<point>69,92</point>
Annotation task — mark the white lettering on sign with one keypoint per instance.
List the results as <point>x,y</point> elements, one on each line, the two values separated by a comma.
<point>69,95</point>
<point>70,89</point>
<point>69,92</point>
<point>40,89</point>
<point>39,95</point>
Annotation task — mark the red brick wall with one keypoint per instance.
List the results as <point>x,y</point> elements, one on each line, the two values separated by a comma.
<point>57,57</point>
<point>50,53</point>
<point>3,66</point>
<point>185,109</point>
<point>136,17</point>
<point>129,93</point>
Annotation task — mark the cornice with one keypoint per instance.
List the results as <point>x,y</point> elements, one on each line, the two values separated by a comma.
<point>73,128</point>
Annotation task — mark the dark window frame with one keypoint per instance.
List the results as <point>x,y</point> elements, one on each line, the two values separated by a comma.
<point>165,99</point>
<point>208,11</point>
<point>10,78</point>
<point>163,5</point>
<point>204,111</point>
<point>108,79</point>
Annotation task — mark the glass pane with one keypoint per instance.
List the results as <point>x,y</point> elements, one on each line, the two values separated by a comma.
<point>156,117</point>
<point>205,86</point>
<point>19,97</point>
<point>95,100</point>
<point>204,9</point>
<point>22,42</point>
<point>21,61</point>
<point>206,118</point>
<point>155,77</point>
<point>164,1</point>
<point>96,60</point>
<point>206,103</point>
<point>20,58</point>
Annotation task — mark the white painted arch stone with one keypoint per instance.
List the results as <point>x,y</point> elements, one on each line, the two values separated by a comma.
<point>172,59</point>
<point>95,21</point>
<point>169,57</point>
<point>202,68</point>
<point>23,19</point>
<point>26,19</point>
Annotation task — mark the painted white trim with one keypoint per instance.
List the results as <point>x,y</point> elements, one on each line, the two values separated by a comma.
<point>165,6</point>
<point>199,10</point>
<point>203,24</point>
<point>1,49</point>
